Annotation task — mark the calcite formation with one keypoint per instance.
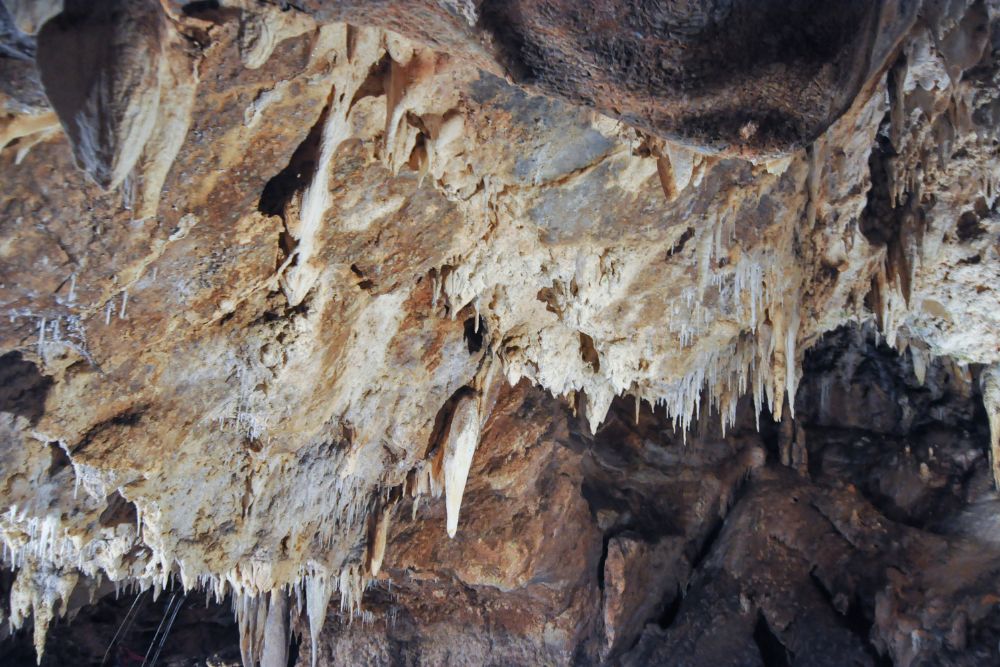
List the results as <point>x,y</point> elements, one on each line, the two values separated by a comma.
<point>277,277</point>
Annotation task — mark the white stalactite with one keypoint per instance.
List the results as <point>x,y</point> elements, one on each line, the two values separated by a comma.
<point>377,552</point>
<point>301,277</point>
<point>461,443</point>
<point>990,381</point>
<point>38,591</point>
<point>318,593</point>
<point>275,650</point>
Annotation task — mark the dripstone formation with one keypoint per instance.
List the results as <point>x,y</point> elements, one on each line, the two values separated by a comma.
<point>500,332</point>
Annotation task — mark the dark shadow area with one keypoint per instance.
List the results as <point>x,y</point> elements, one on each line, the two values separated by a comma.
<point>23,388</point>
<point>772,652</point>
<point>123,630</point>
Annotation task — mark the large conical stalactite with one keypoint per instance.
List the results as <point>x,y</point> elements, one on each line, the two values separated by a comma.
<point>991,399</point>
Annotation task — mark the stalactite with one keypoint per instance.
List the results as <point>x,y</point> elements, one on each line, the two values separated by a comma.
<point>459,446</point>
<point>318,592</point>
<point>990,380</point>
<point>274,652</point>
<point>377,546</point>
<point>301,277</point>
<point>38,590</point>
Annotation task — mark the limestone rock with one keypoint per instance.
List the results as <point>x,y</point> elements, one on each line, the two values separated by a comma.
<point>276,277</point>
<point>640,580</point>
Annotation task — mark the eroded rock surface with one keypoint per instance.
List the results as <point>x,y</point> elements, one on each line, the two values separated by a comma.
<point>348,306</point>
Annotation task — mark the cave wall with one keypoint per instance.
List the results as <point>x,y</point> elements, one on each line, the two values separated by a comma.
<point>273,275</point>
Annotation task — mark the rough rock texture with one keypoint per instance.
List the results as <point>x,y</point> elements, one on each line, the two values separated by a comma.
<point>341,306</point>
<point>709,551</point>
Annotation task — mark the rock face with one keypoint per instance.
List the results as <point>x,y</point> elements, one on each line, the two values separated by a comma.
<point>486,323</point>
